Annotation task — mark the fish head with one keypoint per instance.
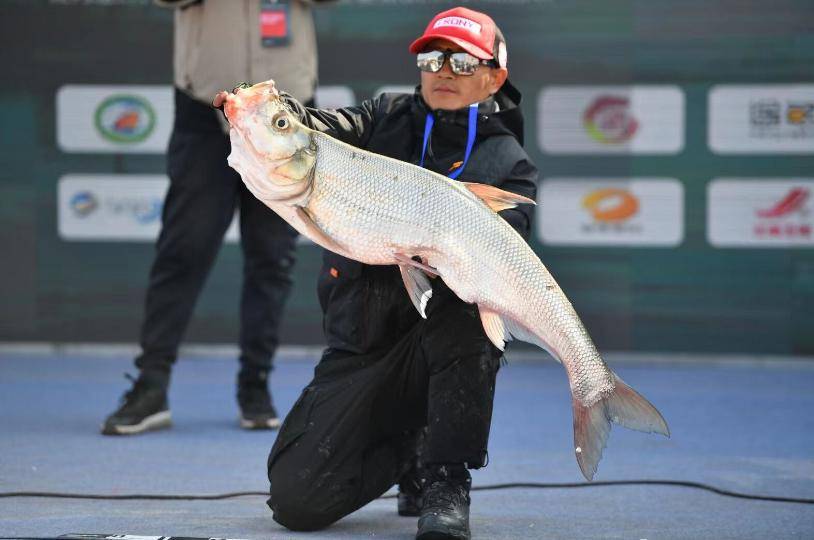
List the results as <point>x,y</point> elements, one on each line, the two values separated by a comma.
<point>269,145</point>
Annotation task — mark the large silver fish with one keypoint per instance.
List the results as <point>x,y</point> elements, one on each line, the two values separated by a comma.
<point>379,210</point>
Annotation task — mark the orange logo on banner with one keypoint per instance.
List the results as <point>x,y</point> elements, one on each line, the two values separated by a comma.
<point>611,204</point>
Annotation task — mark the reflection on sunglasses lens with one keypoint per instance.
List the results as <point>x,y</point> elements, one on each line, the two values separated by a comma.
<point>461,63</point>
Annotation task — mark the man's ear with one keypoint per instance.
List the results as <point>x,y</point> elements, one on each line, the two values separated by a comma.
<point>499,76</point>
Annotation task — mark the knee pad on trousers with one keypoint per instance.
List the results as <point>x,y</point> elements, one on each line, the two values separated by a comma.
<point>296,505</point>
<point>302,518</point>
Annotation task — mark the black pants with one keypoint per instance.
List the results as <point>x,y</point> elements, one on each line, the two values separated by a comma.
<point>203,194</point>
<point>351,435</point>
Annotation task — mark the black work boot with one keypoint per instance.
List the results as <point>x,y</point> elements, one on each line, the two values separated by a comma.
<point>143,408</point>
<point>254,399</point>
<point>445,504</point>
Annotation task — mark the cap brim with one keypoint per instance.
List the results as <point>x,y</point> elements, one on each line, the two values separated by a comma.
<point>418,45</point>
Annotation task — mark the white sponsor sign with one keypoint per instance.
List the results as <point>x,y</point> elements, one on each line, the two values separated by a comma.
<point>611,119</point>
<point>114,207</point>
<point>611,212</point>
<point>765,212</point>
<point>764,118</point>
<point>114,119</point>
<point>334,97</point>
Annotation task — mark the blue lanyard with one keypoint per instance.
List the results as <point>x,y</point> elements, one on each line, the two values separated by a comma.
<point>472,128</point>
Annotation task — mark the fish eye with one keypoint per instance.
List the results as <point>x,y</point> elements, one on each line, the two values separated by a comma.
<point>281,122</point>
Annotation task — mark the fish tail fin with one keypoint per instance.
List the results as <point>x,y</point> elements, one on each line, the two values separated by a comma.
<point>592,424</point>
<point>630,409</point>
<point>591,429</point>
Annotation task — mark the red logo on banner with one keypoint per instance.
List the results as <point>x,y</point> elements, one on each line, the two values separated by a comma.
<point>608,119</point>
<point>792,202</point>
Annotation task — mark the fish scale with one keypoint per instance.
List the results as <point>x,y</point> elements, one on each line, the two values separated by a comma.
<point>378,210</point>
<point>393,219</point>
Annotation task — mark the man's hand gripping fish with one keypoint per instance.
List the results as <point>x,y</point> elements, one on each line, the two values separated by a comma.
<point>379,210</point>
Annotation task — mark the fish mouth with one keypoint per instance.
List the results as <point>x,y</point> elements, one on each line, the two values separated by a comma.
<point>245,98</point>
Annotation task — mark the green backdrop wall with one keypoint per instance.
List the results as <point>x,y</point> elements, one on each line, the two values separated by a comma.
<point>689,297</point>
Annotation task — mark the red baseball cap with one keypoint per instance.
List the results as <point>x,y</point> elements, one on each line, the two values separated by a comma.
<point>474,32</point>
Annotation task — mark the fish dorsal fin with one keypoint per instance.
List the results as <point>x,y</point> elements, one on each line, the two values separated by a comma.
<point>496,198</point>
<point>418,287</point>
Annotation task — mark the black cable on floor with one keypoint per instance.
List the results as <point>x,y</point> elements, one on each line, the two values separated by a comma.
<point>513,485</point>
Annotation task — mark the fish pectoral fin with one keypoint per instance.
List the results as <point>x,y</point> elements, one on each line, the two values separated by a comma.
<point>315,233</point>
<point>495,198</point>
<point>418,287</point>
<point>401,258</point>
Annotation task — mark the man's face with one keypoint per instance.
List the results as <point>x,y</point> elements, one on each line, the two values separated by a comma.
<point>448,91</point>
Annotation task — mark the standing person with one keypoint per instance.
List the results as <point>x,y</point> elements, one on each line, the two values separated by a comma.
<point>396,398</point>
<point>218,42</point>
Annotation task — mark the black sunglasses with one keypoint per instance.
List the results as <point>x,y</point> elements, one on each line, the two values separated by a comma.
<point>461,63</point>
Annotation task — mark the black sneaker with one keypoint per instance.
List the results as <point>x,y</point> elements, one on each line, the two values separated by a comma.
<point>143,408</point>
<point>445,508</point>
<point>256,409</point>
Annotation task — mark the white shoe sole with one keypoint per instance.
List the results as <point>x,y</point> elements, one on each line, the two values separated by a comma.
<point>271,423</point>
<point>154,421</point>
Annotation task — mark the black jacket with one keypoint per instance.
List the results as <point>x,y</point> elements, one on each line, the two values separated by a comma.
<point>393,125</point>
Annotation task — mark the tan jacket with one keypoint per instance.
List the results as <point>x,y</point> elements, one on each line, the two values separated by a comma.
<point>217,45</point>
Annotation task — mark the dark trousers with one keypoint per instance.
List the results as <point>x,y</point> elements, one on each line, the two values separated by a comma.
<point>203,195</point>
<point>352,433</point>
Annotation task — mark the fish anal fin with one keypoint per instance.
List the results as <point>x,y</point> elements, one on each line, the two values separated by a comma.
<point>494,327</point>
<point>501,328</point>
<point>495,198</point>
<point>315,233</point>
<point>418,287</point>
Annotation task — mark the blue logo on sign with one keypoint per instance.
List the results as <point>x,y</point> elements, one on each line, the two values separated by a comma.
<point>84,203</point>
<point>147,213</point>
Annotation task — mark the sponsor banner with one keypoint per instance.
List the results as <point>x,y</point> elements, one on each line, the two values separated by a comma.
<point>765,118</point>
<point>765,212</point>
<point>611,119</point>
<point>611,212</point>
<point>113,207</point>
<point>114,119</point>
<point>334,97</point>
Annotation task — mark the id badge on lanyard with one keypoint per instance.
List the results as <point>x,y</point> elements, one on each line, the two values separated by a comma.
<point>275,23</point>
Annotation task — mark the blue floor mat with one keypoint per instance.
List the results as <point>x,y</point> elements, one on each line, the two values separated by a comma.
<point>741,426</point>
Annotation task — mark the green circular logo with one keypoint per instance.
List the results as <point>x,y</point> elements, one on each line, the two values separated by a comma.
<point>125,119</point>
